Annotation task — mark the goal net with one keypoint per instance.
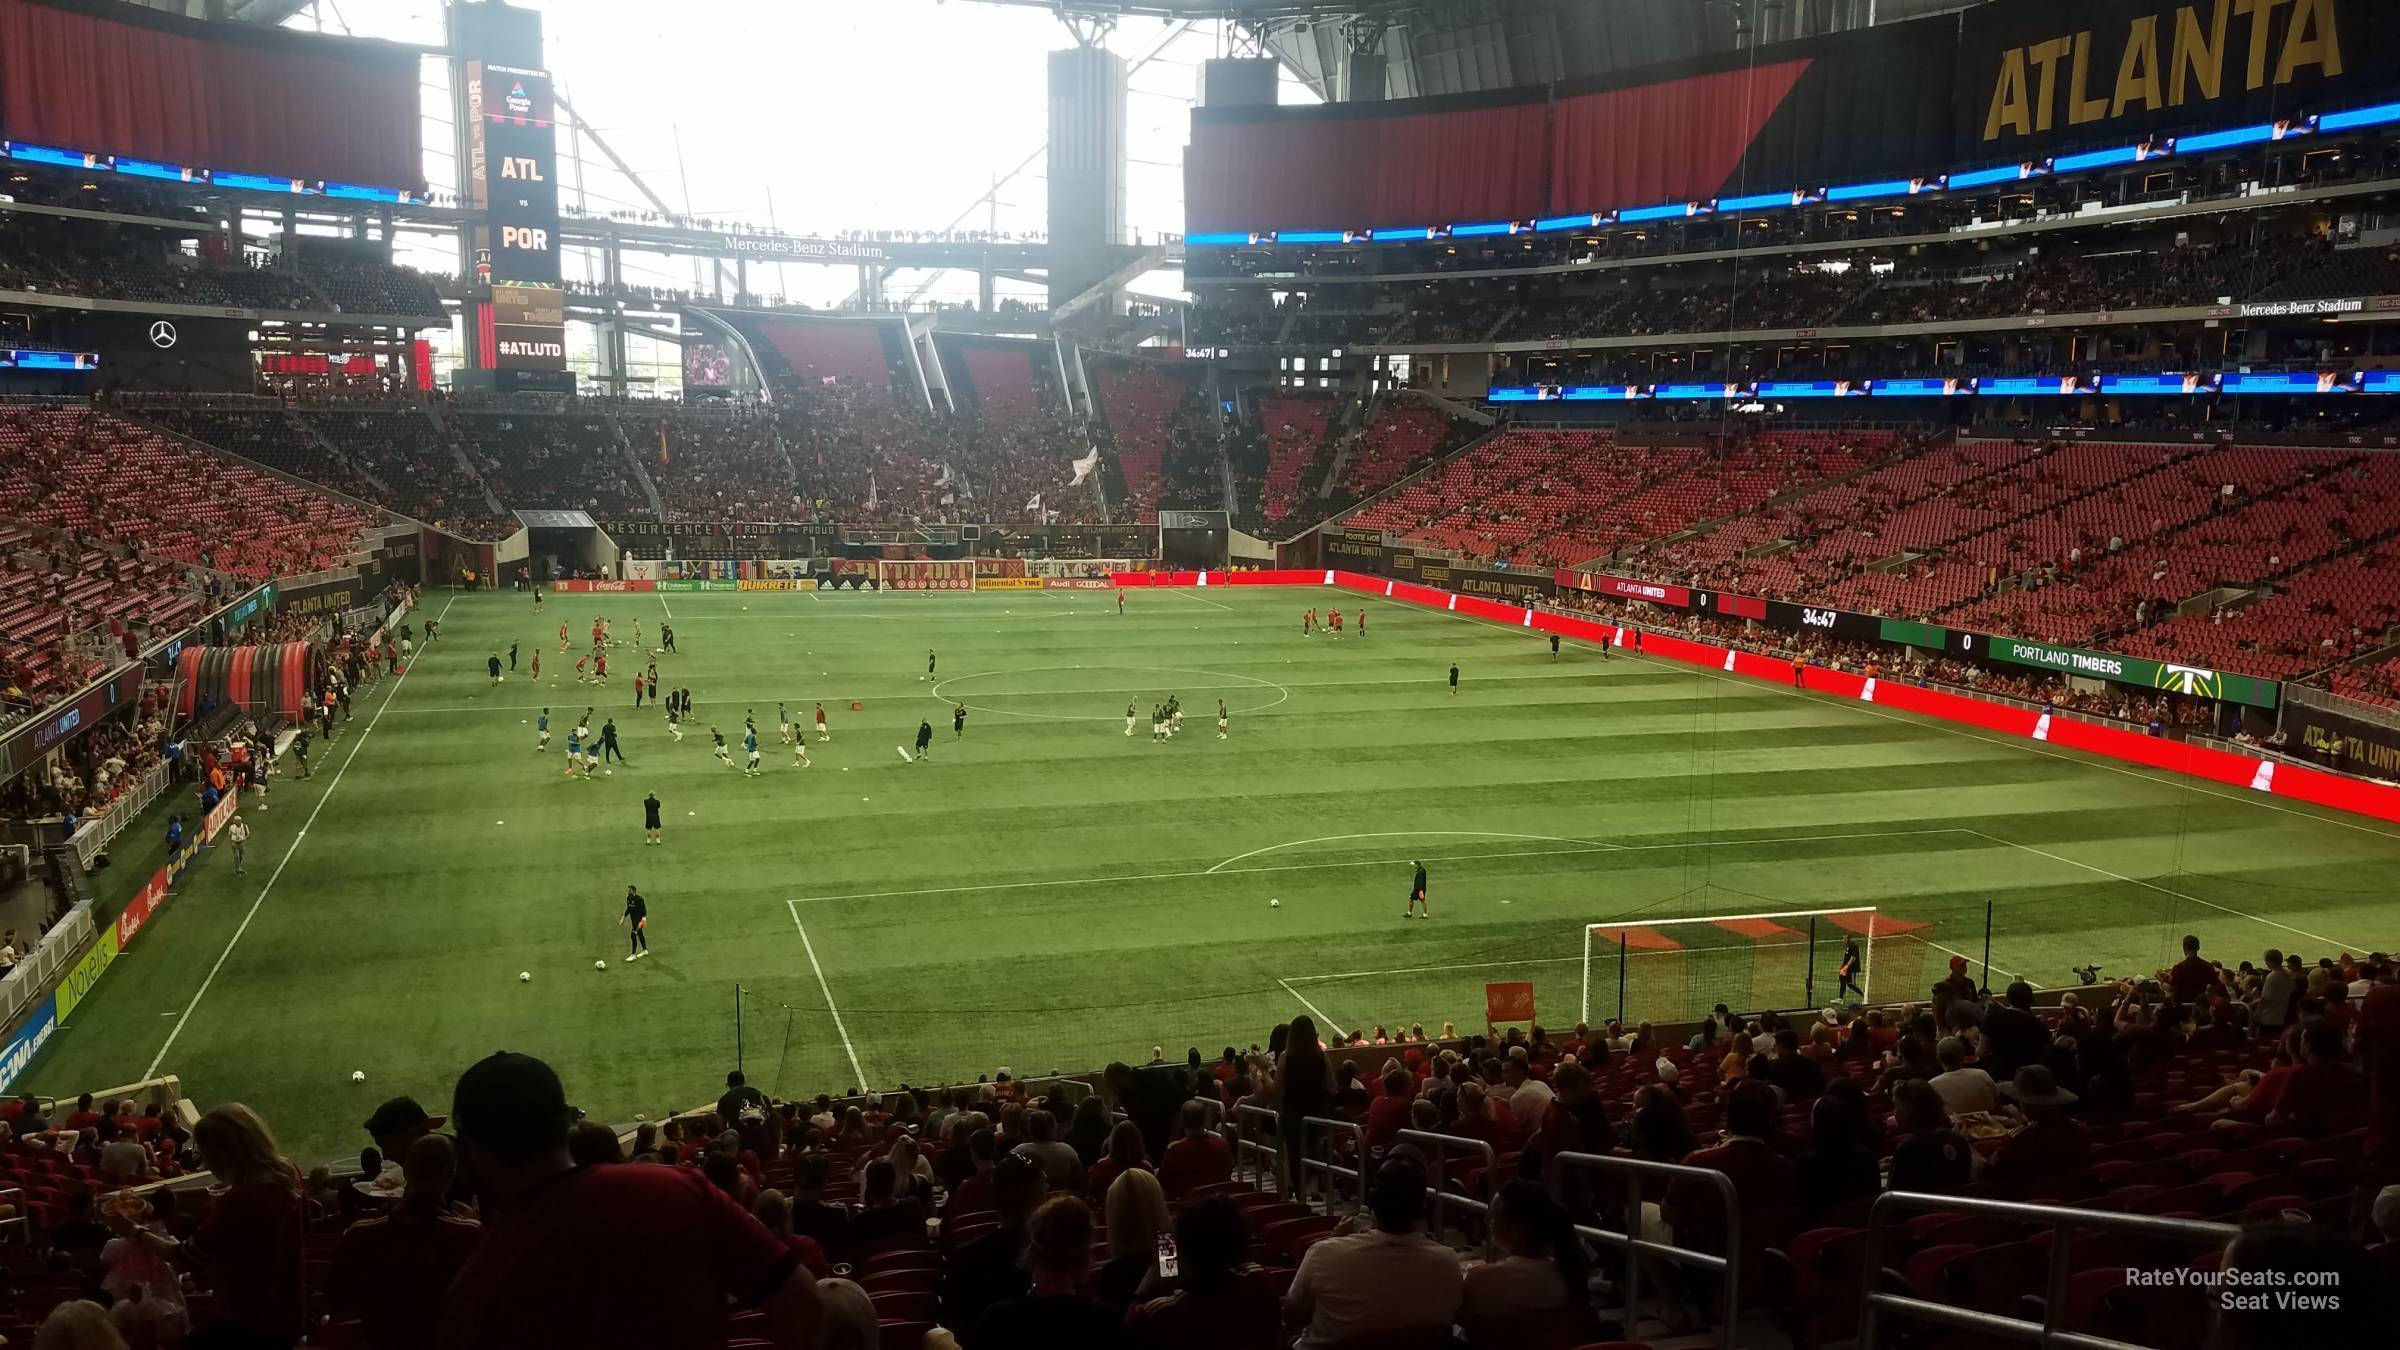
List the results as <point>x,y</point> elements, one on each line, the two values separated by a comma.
<point>1676,970</point>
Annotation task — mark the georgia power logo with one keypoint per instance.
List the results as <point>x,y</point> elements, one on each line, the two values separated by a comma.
<point>163,335</point>
<point>519,102</point>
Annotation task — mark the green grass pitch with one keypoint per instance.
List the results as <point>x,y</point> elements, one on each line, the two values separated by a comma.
<point>1048,893</point>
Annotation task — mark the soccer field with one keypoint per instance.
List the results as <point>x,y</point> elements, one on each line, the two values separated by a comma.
<point>1048,893</point>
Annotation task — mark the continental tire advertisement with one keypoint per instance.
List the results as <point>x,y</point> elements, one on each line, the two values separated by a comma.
<point>2039,76</point>
<point>2350,744</point>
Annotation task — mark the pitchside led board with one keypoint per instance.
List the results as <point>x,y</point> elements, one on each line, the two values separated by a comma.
<point>513,174</point>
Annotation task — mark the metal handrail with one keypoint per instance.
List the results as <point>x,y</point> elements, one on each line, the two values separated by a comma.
<point>2060,1221</point>
<point>1310,1127</point>
<point>1631,1241</point>
<point>1244,1146</point>
<point>1439,1145</point>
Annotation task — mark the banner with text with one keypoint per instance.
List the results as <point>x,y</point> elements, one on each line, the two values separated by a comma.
<point>2133,670</point>
<point>1624,588</point>
<point>2350,744</point>
<point>1502,584</point>
<point>2037,76</point>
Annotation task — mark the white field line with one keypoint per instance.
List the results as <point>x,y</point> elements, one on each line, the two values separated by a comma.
<point>1411,834</point>
<point>1190,593</point>
<point>1365,862</point>
<point>1322,1019</point>
<point>2179,895</point>
<point>827,990</point>
<point>288,853</point>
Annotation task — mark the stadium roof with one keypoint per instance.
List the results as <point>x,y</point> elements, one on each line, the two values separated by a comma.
<point>268,12</point>
<point>1467,46</point>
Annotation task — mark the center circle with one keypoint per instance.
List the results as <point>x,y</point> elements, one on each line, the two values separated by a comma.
<point>1119,681</point>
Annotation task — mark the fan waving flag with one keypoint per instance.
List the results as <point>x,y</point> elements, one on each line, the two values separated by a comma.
<point>1085,466</point>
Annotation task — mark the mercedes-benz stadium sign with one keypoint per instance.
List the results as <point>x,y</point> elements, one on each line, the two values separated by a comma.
<point>818,250</point>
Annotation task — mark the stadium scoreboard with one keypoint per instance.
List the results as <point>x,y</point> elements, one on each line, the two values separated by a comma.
<point>512,161</point>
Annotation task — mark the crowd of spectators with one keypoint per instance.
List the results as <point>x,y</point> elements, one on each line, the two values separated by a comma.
<point>2263,1092</point>
<point>106,261</point>
<point>716,464</point>
<point>1819,292</point>
<point>568,460</point>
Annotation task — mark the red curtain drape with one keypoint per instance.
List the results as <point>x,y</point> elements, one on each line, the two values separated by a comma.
<point>1344,172</point>
<point>1003,379</point>
<point>1678,140</point>
<point>815,350</point>
<point>287,106</point>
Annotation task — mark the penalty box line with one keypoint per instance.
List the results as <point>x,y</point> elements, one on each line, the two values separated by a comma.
<point>1220,870</point>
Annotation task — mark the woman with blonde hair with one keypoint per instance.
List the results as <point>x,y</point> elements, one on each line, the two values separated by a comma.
<point>911,1173</point>
<point>1136,1212</point>
<point>78,1324</point>
<point>251,1240</point>
<point>1737,1058</point>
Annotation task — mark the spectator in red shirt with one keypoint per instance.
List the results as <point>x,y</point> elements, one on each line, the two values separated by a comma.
<point>2052,1144</point>
<point>83,1117</point>
<point>1763,1179</point>
<point>1387,1114</point>
<point>392,1273</point>
<point>1200,1158</point>
<point>1126,1153</point>
<point>2323,1087</point>
<point>2192,977</point>
<point>774,1210</point>
<point>1482,1115</point>
<point>645,1258</point>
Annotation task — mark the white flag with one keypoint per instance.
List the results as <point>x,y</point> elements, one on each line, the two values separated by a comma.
<point>1085,466</point>
<point>1035,504</point>
<point>947,475</point>
<point>870,490</point>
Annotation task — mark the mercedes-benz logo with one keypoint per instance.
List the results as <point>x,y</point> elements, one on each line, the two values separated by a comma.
<point>162,334</point>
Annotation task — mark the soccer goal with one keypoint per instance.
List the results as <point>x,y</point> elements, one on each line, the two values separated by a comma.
<point>1676,970</point>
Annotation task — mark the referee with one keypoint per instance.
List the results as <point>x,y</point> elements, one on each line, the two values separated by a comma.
<point>650,825</point>
<point>637,914</point>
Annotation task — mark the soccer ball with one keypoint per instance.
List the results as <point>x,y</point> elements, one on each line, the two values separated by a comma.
<point>502,680</point>
<point>599,965</point>
<point>358,1075</point>
<point>1274,904</point>
<point>524,977</point>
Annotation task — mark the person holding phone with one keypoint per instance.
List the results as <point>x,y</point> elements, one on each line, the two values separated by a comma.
<point>1212,1300</point>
